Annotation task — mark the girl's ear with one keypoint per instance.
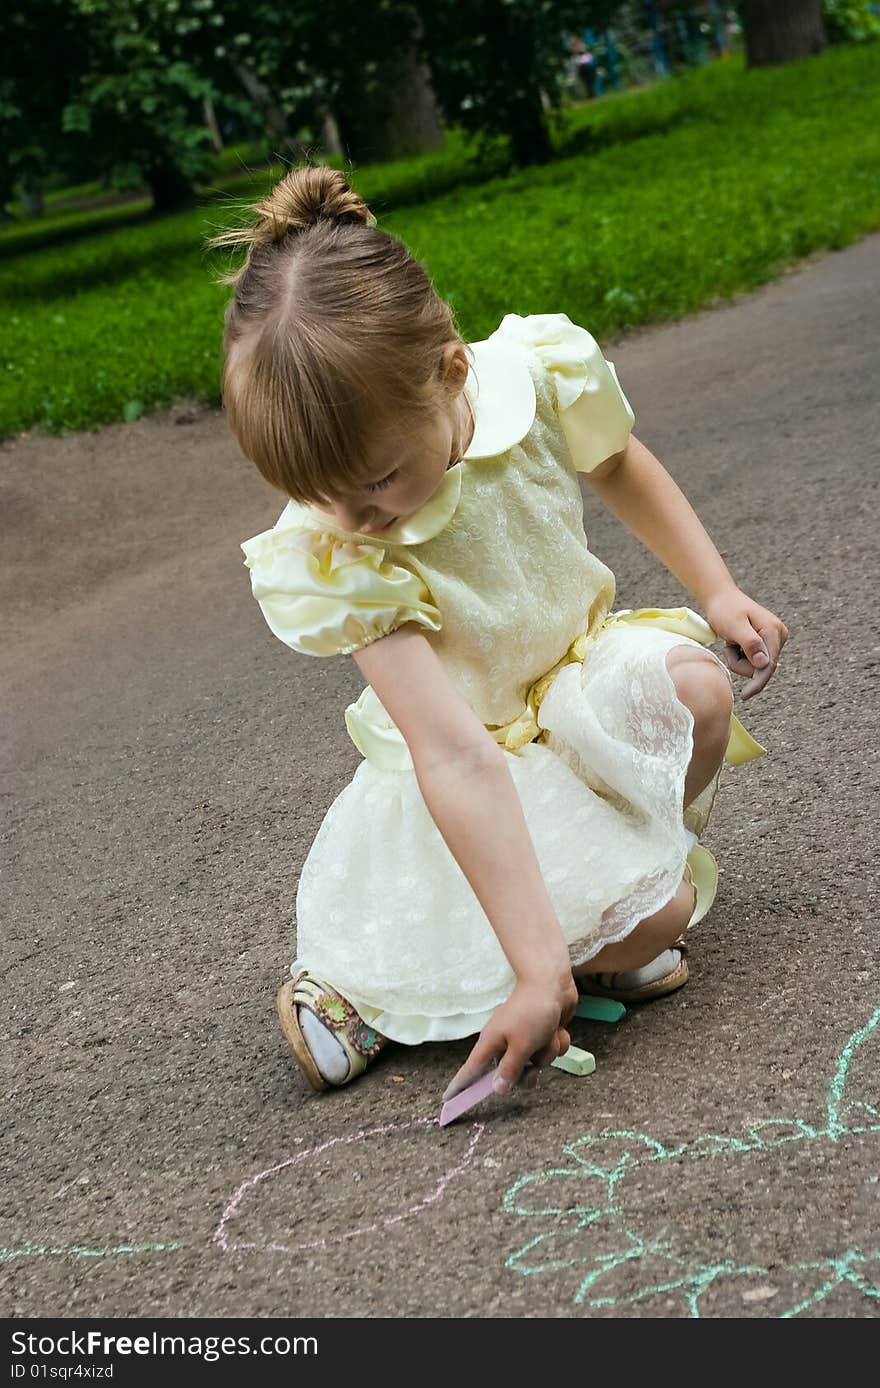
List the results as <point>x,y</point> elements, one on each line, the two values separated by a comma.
<point>454,367</point>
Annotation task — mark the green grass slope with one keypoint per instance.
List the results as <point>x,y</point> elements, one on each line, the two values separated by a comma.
<point>659,202</point>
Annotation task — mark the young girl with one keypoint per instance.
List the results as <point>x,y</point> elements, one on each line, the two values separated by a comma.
<point>536,768</point>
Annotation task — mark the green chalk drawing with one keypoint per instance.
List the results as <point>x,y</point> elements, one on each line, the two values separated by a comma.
<point>589,1231</point>
<point>835,1126</point>
<point>75,1251</point>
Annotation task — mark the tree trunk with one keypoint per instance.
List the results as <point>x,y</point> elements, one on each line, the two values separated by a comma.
<point>392,116</point>
<point>331,142</point>
<point>782,31</point>
<point>272,116</point>
<point>211,122</point>
<point>170,188</point>
<point>511,33</point>
<point>414,116</point>
<point>8,190</point>
<point>31,196</point>
<point>529,137</point>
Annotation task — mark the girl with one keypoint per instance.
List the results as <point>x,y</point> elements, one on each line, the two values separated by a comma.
<point>536,768</point>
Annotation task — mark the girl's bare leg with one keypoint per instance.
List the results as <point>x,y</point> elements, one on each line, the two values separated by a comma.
<point>704,687</point>
<point>651,937</point>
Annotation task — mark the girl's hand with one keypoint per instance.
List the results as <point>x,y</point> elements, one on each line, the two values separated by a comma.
<point>528,1027</point>
<point>753,634</point>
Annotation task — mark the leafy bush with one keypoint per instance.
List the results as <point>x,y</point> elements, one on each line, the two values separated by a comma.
<point>851,21</point>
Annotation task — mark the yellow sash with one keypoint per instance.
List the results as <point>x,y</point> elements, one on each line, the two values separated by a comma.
<point>379,740</point>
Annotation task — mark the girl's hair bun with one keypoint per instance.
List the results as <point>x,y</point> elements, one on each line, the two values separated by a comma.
<point>306,196</point>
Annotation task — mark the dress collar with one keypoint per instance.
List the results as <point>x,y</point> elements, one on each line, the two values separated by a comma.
<point>502,394</point>
<point>500,388</point>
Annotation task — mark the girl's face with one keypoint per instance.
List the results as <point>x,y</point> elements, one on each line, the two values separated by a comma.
<point>409,469</point>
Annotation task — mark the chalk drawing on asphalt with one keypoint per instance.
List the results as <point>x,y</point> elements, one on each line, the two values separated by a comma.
<point>603,1221</point>
<point>425,1201</point>
<point>594,1238</point>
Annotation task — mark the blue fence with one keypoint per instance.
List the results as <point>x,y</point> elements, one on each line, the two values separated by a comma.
<point>649,40</point>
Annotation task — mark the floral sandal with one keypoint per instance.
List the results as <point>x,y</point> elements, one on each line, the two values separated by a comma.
<point>358,1040</point>
<point>701,871</point>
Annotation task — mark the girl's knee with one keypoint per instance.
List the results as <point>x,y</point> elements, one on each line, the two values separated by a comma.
<point>703,685</point>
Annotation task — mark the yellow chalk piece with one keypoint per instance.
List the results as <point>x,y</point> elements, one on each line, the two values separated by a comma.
<point>575,1062</point>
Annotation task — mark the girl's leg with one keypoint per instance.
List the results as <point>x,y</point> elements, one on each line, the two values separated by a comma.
<point>650,938</point>
<point>649,953</point>
<point>704,687</point>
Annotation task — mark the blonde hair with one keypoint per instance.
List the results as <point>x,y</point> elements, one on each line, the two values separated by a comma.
<point>333,335</point>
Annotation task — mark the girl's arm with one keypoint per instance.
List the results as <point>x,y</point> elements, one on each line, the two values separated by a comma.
<point>470,795</point>
<point>637,489</point>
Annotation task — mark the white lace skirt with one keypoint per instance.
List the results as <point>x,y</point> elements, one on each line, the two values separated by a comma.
<point>386,916</point>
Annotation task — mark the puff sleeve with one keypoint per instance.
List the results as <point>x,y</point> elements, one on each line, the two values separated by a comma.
<point>324,595</point>
<point>594,413</point>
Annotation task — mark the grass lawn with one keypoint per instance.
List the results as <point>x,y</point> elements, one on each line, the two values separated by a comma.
<point>658,202</point>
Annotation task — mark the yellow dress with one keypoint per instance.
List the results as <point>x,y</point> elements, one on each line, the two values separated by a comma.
<point>496,570</point>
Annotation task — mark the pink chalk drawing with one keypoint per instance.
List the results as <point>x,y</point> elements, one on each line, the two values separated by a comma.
<point>221,1237</point>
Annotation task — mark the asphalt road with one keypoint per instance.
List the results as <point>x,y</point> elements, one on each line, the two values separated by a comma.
<point>167,766</point>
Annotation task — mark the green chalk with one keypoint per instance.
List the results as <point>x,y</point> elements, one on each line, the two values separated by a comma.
<point>600,1009</point>
<point>575,1062</point>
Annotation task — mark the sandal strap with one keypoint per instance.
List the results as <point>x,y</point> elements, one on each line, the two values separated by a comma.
<point>602,985</point>
<point>356,1037</point>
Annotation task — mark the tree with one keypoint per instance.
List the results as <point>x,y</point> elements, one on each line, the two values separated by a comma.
<point>138,103</point>
<point>42,49</point>
<point>499,64</point>
<point>782,31</point>
<point>360,63</point>
<point>386,108</point>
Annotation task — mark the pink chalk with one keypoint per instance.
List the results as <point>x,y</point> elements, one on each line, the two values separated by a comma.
<point>468,1098</point>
